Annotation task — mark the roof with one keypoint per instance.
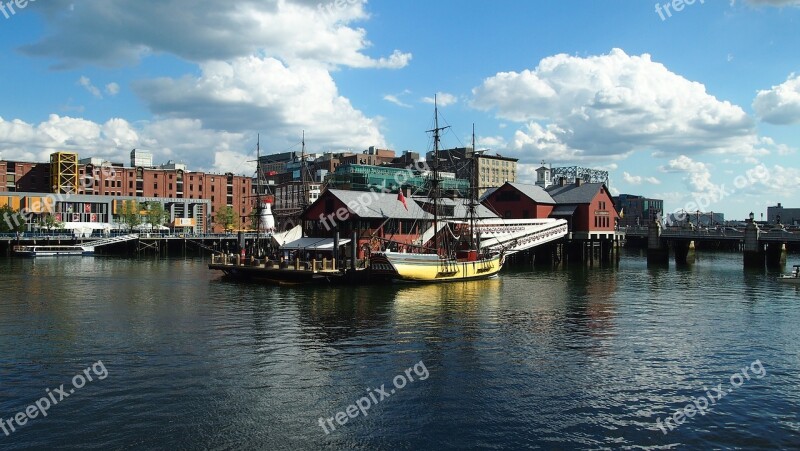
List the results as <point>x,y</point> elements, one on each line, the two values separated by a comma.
<point>575,194</point>
<point>488,192</point>
<point>460,207</point>
<point>564,210</point>
<point>313,244</point>
<point>533,192</point>
<point>371,204</point>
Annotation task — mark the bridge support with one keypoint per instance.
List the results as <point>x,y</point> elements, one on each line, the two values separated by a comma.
<point>754,255</point>
<point>684,252</point>
<point>776,255</point>
<point>657,251</point>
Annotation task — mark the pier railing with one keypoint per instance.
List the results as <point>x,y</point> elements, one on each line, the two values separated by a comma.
<point>313,265</point>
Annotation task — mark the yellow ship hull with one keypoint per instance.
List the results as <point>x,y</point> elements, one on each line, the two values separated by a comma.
<point>424,268</point>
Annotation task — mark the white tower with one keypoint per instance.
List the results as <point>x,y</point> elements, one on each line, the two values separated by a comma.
<point>267,219</point>
<point>543,177</point>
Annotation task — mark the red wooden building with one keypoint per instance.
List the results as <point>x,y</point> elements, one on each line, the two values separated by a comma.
<point>519,201</point>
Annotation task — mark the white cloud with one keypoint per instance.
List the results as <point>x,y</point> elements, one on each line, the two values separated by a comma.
<point>698,173</point>
<point>94,32</point>
<point>778,3</point>
<point>395,99</point>
<point>112,89</point>
<point>780,104</point>
<point>92,89</point>
<point>170,139</point>
<point>638,179</point>
<point>607,106</point>
<point>443,99</point>
<point>491,142</point>
<point>264,94</point>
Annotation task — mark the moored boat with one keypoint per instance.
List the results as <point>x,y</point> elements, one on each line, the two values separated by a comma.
<point>52,251</point>
<point>791,278</point>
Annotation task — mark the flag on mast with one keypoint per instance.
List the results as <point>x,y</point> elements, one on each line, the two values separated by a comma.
<point>402,198</point>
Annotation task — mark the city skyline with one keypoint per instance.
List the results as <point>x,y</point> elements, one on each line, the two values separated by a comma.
<point>695,103</point>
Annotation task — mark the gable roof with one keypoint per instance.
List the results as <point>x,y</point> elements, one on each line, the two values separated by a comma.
<point>574,194</point>
<point>460,207</point>
<point>371,204</point>
<point>533,192</point>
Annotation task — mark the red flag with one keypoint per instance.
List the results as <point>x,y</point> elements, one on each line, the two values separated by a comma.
<point>402,198</point>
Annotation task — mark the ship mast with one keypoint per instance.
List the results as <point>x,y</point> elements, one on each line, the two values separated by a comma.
<point>473,191</point>
<point>435,180</point>
<point>258,194</point>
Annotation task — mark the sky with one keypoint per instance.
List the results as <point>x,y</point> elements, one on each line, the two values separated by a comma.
<point>693,102</point>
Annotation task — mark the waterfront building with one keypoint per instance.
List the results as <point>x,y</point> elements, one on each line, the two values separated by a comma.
<point>637,210</point>
<point>519,201</point>
<point>20,176</point>
<point>87,213</point>
<point>359,177</point>
<point>587,207</point>
<point>370,215</point>
<point>172,181</point>
<point>783,215</point>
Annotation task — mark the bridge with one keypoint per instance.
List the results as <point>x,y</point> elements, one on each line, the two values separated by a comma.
<point>726,234</point>
<point>759,246</point>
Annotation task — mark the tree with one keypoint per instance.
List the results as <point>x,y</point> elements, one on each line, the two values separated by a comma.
<point>226,217</point>
<point>51,223</point>
<point>156,214</point>
<point>130,215</point>
<point>11,220</point>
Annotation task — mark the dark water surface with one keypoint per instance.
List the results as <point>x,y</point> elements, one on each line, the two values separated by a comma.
<point>549,359</point>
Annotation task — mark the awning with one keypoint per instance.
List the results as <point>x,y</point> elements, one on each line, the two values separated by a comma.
<point>312,244</point>
<point>564,210</point>
<point>290,235</point>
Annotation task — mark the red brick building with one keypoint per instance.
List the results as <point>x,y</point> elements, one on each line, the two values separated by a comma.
<point>114,180</point>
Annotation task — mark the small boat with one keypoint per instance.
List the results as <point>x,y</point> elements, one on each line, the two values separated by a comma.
<point>793,277</point>
<point>52,251</point>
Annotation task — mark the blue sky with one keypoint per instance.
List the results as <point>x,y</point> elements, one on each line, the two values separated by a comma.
<point>698,107</point>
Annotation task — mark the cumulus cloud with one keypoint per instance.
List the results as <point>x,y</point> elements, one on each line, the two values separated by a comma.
<point>443,99</point>
<point>607,106</point>
<point>171,139</point>
<point>266,95</point>
<point>121,32</point>
<point>781,104</point>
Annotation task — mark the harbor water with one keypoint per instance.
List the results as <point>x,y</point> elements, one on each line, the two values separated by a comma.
<point>164,354</point>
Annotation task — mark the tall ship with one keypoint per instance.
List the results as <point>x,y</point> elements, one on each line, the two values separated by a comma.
<point>461,250</point>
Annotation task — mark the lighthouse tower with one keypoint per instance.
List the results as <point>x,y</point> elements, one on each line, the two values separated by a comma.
<point>267,219</point>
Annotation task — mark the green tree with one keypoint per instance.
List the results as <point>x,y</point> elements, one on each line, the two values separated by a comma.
<point>226,217</point>
<point>51,223</point>
<point>156,214</point>
<point>11,220</point>
<point>130,214</point>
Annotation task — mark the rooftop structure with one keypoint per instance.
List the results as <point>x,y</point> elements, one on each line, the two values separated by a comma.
<point>141,158</point>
